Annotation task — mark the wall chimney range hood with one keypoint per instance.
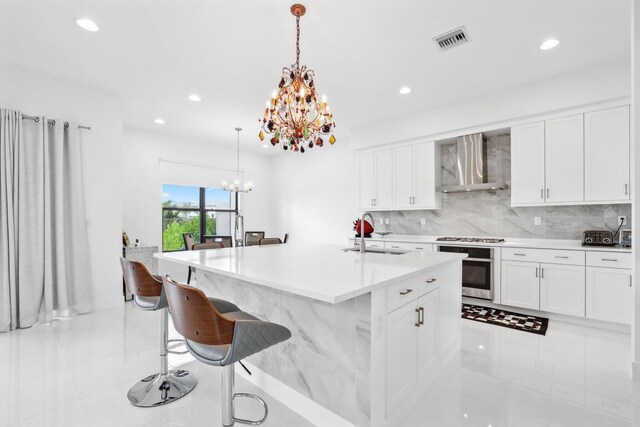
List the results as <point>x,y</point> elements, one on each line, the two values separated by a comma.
<point>471,167</point>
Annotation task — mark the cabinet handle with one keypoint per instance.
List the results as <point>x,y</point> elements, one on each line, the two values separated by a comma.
<point>396,247</point>
<point>630,280</point>
<point>419,248</point>
<point>547,193</point>
<point>536,272</point>
<point>562,257</point>
<point>542,273</point>
<point>408,291</point>
<point>542,193</point>
<point>520,254</point>
<point>610,259</point>
<point>626,189</point>
<point>421,316</point>
<point>431,280</point>
<point>418,322</point>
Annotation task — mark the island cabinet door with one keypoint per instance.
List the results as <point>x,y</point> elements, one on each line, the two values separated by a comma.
<point>610,294</point>
<point>562,289</point>
<point>520,285</point>
<point>402,353</point>
<point>427,331</point>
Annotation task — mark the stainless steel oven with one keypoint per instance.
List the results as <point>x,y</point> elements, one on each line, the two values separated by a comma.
<point>477,270</point>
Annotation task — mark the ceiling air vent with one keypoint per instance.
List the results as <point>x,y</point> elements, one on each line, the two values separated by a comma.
<point>452,38</point>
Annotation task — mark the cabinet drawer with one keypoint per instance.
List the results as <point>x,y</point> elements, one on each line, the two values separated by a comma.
<point>549,256</point>
<point>409,246</point>
<point>609,259</point>
<point>413,288</point>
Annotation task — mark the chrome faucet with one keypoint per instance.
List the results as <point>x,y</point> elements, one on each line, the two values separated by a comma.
<point>363,249</point>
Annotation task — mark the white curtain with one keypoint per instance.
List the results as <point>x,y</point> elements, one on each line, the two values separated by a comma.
<point>44,262</point>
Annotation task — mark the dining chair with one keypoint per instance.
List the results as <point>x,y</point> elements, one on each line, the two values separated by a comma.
<point>252,238</point>
<point>270,241</point>
<point>226,241</point>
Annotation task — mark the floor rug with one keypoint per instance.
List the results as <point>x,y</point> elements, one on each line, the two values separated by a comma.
<point>507,319</point>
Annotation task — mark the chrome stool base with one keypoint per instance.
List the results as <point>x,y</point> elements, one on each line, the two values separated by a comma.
<point>262,402</point>
<point>160,389</point>
<point>228,397</point>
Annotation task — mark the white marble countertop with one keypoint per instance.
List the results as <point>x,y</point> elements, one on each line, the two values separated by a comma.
<point>321,272</point>
<point>575,245</point>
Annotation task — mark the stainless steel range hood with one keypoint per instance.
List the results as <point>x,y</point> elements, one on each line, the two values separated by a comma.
<point>471,167</point>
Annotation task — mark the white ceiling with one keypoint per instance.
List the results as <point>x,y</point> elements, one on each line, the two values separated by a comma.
<point>154,53</point>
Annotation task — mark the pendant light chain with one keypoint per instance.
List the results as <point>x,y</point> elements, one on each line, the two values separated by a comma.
<point>297,42</point>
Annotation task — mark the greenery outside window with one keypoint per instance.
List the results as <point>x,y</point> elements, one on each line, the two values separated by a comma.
<point>198,210</point>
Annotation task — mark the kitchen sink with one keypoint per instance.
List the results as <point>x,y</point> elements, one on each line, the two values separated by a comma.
<point>376,251</point>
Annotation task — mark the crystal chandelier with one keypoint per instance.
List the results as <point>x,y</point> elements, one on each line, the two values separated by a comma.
<point>236,186</point>
<point>294,116</point>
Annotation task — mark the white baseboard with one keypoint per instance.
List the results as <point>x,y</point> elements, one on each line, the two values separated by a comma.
<point>307,408</point>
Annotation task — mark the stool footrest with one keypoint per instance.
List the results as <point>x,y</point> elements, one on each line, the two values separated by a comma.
<point>262,402</point>
<point>181,342</point>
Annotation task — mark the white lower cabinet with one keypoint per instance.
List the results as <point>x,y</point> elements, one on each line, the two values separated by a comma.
<point>409,246</point>
<point>609,294</point>
<point>402,353</point>
<point>562,289</point>
<point>520,285</point>
<point>412,345</point>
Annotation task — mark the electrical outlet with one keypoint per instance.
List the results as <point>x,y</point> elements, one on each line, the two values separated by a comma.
<point>381,221</point>
<point>537,221</point>
<point>386,221</point>
<point>423,221</point>
<point>622,220</point>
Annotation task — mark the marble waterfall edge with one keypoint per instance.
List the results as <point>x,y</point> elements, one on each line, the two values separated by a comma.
<point>328,357</point>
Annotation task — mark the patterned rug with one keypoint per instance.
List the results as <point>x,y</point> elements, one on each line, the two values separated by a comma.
<point>507,319</point>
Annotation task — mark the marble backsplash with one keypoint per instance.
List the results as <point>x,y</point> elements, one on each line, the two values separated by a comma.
<point>481,214</point>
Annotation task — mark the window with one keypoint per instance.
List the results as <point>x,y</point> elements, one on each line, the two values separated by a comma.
<point>198,210</point>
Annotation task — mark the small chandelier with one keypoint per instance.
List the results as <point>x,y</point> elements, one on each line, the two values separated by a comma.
<point>294,116</point>
<point>236,186</point>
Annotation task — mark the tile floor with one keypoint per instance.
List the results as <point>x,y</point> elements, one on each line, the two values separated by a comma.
<point>76,372</point>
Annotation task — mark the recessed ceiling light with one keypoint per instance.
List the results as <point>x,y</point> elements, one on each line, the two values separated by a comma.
<point>194,98</point>
<point>159,121</point>
<point>405,90</point>
<point>549,44</point>
<point>87,24</point>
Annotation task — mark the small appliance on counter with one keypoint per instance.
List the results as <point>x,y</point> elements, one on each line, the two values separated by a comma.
<point>625,238</point>
<point>598,238</point>
<point>368,228</point>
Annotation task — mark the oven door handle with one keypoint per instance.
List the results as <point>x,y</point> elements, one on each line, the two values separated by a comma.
<point>478,259</point>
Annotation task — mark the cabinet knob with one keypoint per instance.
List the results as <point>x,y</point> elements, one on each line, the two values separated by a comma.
<point>408,291</point>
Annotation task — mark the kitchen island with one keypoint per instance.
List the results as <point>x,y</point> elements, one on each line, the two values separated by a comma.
<point>369,331</point>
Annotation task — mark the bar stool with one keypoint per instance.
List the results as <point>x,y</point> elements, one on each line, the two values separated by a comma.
<point>252,238</point>
<point>221,339</point>
<point>165,386</point>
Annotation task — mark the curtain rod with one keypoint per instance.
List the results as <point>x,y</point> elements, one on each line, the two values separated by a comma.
<point>53,122</point>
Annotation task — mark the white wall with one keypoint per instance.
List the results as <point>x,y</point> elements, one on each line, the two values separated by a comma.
<point>144,174</point>
<point>635,178</point>
<point>317,191</point>
<point>34,93</point>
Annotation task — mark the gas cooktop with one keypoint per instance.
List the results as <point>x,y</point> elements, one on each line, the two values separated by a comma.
<point>470,239</point>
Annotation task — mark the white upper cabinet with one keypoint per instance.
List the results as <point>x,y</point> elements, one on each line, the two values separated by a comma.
<point>527,164</point>
<point>564,167</point>
<point>579,159</point>
<point>366,175</point>
<point>403,184</point>
<point>383,197</point>
<point>375,180</point>
<point>402,178</point>
<point>606,155</point>
<point>426,176</point>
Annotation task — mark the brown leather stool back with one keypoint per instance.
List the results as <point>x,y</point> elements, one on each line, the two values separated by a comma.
<point>194,317</point>
<point>138,279</point>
